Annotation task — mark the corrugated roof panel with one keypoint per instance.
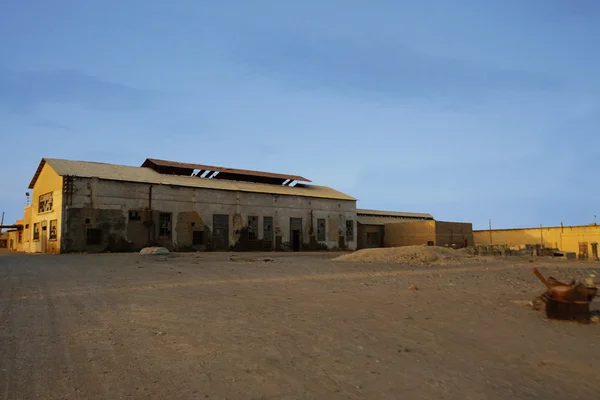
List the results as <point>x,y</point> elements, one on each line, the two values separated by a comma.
<point>153,163</point>
<point>87,169</point>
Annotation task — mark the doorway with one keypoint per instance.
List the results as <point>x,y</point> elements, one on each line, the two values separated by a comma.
<point>595,251</point>
<point>583,250</point>
<point>220,234</point>
<point>296,234</point>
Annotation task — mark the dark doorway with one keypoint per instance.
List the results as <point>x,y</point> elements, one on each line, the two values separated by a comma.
<point>296,234</point>
<point>220,232</point>
<point>296,240</point>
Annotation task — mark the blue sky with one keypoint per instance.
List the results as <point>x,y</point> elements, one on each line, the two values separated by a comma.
<point>468,110</point>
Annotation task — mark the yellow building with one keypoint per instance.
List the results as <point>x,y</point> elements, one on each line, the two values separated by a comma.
<point>582,240</point>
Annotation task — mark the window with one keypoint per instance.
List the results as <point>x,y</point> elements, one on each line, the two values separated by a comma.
<point>134,215</point>
<point>349,231</point>
<point>321,237</point>
<point>36,231</point>
<point>53,230</point>
<point>20,239</point>
<point>197,237</point>
<point>94,236</point>
<point>164,225</point>
<point>45,203</point>
<point>252,227</point>
<point>26,226</point>
<point>268,229</point>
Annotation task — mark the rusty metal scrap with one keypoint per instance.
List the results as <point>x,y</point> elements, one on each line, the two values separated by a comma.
<point>566,301</point>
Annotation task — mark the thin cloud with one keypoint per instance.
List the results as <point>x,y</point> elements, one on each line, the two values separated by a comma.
<point>380,67</point>
<point>24,91</point>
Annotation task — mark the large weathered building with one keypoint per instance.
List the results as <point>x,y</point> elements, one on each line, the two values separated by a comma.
<point>88,206</point>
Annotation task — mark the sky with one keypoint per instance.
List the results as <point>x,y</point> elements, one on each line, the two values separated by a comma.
<point>468,110</point>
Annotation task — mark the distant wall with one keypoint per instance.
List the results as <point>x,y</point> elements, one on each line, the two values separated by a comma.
<point>409,233</point>
<point>566,238</point>
<point>459,234</point>
<point>441,233</point>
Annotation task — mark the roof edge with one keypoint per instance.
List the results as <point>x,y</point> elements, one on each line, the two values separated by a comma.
<point>37,173</point>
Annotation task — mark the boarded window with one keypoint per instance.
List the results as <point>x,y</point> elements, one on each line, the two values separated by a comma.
<point>45,203</point>
<point>53,229</point>
<point>134,215</point>
<point>252,227</point>
<point>198,237</point>
<point>36,231</point>
<point>349,231</point>
<point>164,220</point>
<point>321,237</point>
<point>94,236</point>
<point>268,229</point>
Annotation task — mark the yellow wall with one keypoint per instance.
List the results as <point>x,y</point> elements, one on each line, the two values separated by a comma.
<point>409,233</point>
<point>441,233</point>
<point>563,238</point>
<point>48,181</point>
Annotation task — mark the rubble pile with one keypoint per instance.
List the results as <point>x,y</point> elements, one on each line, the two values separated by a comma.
<point>413,255</point>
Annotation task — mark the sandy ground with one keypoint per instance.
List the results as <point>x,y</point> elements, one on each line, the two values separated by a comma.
<point>197,325</point>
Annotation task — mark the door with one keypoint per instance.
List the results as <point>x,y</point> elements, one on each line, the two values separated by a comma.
<point>220,232</point>
<point>268,233</point>
<point>296,233</point>
<point>583,250</point>
<point>372,239</point>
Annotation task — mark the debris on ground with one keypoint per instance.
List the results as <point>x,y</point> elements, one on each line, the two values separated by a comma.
<point>413,287</point>
<point>154,251</point>
<point>565,301</point>
<point>250,259</point>
<point>421,255</point>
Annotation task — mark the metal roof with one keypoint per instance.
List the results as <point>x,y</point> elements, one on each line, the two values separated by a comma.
<point>124,173</point>
<point>393,214</point>
<point>243,174</point>
<point>368,220</point>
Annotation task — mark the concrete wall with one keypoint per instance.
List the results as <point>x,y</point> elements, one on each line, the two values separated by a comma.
<point>565,238</point>
<point>105,205</point>
<point>409,233</point>
<point>48,182</point>
<point>459,234</point>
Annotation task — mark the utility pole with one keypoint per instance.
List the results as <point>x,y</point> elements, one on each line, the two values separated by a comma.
<point>490,223</point>
<point>541,236</point>
<point>2,223</point>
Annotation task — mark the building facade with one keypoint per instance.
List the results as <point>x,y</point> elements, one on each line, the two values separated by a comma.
<point>92,207</point>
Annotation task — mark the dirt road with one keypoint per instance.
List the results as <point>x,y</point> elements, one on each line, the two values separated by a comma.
<point>195,326</point>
